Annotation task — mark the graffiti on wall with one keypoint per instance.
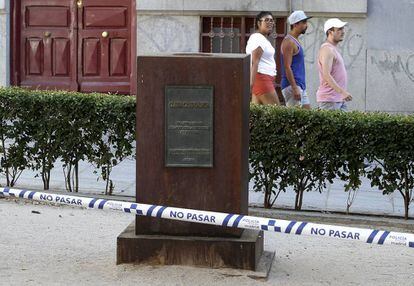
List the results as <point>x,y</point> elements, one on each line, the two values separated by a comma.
<point>390,80</point>
<point>351,48</point>
<point>395,64</point>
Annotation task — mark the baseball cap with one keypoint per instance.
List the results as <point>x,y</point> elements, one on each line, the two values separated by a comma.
<point>297,16</point>
<point>333,23</point>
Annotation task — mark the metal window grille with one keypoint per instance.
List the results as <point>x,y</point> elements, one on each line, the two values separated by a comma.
<point>230,35</point>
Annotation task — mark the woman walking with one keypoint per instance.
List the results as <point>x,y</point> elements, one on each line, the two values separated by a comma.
<point>263,65</point>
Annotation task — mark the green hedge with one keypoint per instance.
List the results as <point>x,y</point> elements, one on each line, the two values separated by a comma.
<point>289,147</point>
<point>303,149</point>
<point>39,127</point>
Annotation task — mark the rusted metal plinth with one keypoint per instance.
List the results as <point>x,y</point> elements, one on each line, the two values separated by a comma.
<point>214,252</point>
<point>192,152</point>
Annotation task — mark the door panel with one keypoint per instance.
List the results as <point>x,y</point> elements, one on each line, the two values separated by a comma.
<point>48,59</point>
<point>80,45</point>
<point>41,16</point>
<point>105,17</point>
<point>118,54</point>
<point>34,56</point>
<point>61,56</point>
<point>91,53</point>
<point>104,43</point>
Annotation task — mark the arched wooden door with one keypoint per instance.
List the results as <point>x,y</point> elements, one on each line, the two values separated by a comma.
<point>85,45</point>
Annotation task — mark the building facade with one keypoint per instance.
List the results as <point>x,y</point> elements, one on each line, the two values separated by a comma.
<point>378,47</point>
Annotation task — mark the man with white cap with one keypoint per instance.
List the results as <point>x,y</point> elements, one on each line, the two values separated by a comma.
<point>293,62</point>
<point>332,93</point>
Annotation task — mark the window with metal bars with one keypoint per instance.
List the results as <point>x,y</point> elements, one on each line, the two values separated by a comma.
<point>230,35</point>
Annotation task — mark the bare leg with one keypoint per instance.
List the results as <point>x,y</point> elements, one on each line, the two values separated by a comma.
<point>255,99</point>
<point>269,98</point>
<point>306,106</point>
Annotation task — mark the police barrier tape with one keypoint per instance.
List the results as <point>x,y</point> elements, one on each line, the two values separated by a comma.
<point>222,219</point>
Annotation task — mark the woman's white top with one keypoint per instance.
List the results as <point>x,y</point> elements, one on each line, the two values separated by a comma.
<point>267,64</point>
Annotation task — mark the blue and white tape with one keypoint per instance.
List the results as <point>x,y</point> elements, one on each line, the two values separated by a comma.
<point>222,219</point>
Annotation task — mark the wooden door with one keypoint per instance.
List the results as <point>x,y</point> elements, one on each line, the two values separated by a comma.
<point>104,45</point>
<point>47,44</point>
<point>83,45</point>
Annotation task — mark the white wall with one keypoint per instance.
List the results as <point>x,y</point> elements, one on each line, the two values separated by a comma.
<point>390,80</point>
<point>390,61</point>
<point>331,6</point>
<point>201,7</point>
<point>162,34</point>
<point>209,6</point>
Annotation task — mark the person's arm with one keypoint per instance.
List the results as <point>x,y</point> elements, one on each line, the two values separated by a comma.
<point>256,55</point>
<point>287,51</point>
<point>326,58</point>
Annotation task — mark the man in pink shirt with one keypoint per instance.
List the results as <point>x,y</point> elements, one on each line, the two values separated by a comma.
<point>332,93</point>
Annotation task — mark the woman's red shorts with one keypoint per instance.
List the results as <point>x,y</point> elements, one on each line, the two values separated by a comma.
<point>263,83</point>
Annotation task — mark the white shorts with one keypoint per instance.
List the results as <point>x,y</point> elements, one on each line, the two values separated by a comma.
<point>291,101</point>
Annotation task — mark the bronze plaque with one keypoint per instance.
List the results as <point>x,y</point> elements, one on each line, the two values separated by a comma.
<point>189,126</point>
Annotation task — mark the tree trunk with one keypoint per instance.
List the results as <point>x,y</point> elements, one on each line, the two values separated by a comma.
<point>266,200</point>
<point>7,177</point>
<point>76,175</point>
<point>12,183</point>
<point>301,198</point>
<point>107,180</point>
<point>45,178</point>
<point>5,160</point>
<point>406,204</point>
<point>68,178</point>
<point>350,200</point>
<point>268,195</point>
<point>406,195</point>
<point>297,197</point>
<point>111,187</point>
